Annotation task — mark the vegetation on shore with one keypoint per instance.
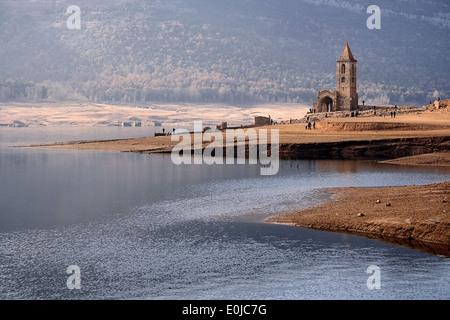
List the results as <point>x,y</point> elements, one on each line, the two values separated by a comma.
<point>221,51</point>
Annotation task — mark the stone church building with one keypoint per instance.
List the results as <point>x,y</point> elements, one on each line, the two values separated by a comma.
<point>345,98</point>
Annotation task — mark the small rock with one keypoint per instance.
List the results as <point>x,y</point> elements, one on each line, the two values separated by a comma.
<point>388,204</point>
<point>360,214</point>
<point>444,201</point>
<point>378,201</point>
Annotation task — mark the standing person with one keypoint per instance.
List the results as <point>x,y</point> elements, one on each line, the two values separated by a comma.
<point>314,125</point>
<point>164,130</point>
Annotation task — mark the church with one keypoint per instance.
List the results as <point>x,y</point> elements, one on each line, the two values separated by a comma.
<point>345,98</point>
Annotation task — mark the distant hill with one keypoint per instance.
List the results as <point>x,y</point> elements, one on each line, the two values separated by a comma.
<point>235,51</point>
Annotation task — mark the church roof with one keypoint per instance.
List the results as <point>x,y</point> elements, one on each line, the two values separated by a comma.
<point>346,54</point>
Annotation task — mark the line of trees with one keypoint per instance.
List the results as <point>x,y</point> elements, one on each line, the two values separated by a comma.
<point>135,88</point>
<point>142,88</point>
<point>163,53</point>
<point>11,89</point>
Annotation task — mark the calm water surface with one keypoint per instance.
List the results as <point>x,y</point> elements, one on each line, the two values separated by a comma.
<point>140,227</point>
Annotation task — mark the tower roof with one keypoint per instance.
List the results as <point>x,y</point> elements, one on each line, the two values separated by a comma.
<point>346,54</point>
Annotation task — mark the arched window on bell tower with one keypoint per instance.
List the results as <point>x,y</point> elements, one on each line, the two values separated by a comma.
<point>343,68</point>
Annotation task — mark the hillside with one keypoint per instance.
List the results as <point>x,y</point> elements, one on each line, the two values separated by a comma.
<point>221,51</point>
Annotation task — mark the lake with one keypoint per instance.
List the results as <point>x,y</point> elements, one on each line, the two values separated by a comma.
<point>140,227</point>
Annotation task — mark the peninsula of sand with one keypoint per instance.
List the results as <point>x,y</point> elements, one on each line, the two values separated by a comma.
<point>416,216</point>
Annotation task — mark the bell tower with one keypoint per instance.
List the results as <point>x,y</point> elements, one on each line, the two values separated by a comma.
<point>345,98</point>
<point>346,80</point>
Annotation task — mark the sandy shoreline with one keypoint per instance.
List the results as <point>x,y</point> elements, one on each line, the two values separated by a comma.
<point>418,216</point>
<point>436,159</point>
<point>414,216</point>
<point>337,138</point>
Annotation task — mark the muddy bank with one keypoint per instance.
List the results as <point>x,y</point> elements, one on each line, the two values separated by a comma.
<point>413,216</point>
<point>437,159</point>
<point>297,143</point>
<point>354,149</point>
<point>366,149</point>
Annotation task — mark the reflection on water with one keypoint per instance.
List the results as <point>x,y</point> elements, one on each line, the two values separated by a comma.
<point>140,227</point>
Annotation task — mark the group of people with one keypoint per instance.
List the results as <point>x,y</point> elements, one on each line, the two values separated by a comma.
<point>308,126</point>
<point>393,113</point>
<point>164,131</point>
